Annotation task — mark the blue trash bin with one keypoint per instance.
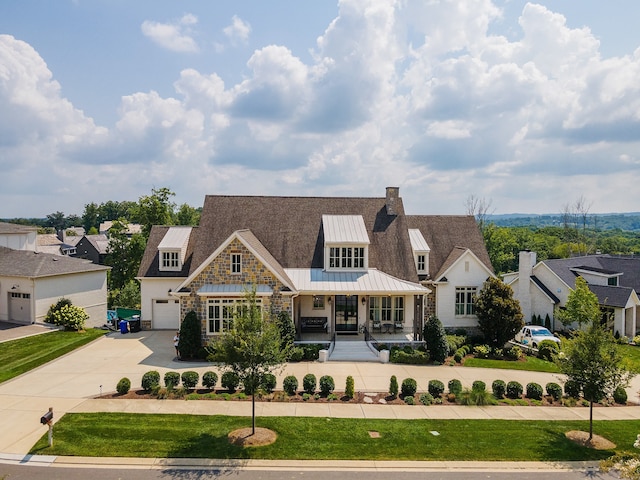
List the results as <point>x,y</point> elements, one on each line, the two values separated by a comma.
<point>124,326</point>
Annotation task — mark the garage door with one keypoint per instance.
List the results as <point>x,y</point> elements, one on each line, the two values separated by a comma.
<point>166,314</point>
<point>20,307</point>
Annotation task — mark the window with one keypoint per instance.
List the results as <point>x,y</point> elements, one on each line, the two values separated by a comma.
<point>386,309</point>
<point>170,260</point>
<point>465,304</point>
<point>612,281</point>
<point>221,311</point>
<point>318,302</point>
<point>346,257</point>
<point>421,263</point>
<point>236,263</point>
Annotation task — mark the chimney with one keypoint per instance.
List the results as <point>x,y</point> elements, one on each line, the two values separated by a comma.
<point>526,262</point>
<point>392,200</point>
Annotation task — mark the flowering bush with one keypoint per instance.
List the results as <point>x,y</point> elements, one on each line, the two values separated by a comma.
<point>69,316</point>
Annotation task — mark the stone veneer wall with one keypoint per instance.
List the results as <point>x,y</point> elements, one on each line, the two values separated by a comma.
<point>430,302</point>
<point>253,273</point>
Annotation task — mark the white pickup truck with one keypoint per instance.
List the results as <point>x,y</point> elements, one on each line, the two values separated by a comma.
<point>532,335</point>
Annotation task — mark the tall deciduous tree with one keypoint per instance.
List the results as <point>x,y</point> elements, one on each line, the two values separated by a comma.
<point>251,348</point>
<point>592,360</point>
<point>499,314</point>
<point>124,254</point>
<point>582,306</point>
<point>155,209</point>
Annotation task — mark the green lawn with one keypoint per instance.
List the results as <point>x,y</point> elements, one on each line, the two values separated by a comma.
<point>20,356</point>
<point>197,436</point>
<point>631,355</point>
<point>533,364</point>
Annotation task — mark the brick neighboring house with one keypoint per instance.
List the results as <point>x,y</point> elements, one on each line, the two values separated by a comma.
<point>334,264</point>
<point>31,281</point>
<point>542,288</point>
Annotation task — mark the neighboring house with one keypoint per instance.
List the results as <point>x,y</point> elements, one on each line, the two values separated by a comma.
<point>542,288</point>
<point>92,247</point>
<point>51,243</point>
<point>335,265</point>
<point>31,281</point>
<point>132,228</point>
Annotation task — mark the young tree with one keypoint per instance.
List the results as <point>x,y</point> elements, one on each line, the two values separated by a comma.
<point>592,360</point>
<point>582,306</point>
<point>252,348</point>
<point>436,339</point>
<point>499,314</point>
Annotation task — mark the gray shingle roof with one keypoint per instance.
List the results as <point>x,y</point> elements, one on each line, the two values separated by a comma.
<point>6,228</point>
<point>628,266</point>
<point>611,296</point>
<point>23,263</point>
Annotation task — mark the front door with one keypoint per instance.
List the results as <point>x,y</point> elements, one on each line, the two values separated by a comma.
<point>346,307</point>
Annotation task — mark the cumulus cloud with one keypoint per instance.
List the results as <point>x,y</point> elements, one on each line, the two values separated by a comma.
<point>176,36</point>
<point>417,94</point>
<point>238,31</point>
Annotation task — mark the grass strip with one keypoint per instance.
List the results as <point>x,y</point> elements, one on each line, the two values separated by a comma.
<point>24,354</point>
<point>200,436</point>
<point>531,364</point>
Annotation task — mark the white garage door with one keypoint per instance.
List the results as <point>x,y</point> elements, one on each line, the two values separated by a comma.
<point>20,307</point>
<point>166,314</point>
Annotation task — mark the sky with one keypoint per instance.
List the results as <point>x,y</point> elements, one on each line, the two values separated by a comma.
<point>531,107</point>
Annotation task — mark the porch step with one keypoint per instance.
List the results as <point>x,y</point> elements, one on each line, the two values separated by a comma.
<point>349,351</point>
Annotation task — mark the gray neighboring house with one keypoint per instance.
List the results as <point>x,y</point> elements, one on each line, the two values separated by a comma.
<point>92,247</point>
<point>542,288</point>
<point>31,281</point>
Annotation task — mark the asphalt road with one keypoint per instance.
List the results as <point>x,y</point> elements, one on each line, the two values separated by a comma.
<point>23,472</point>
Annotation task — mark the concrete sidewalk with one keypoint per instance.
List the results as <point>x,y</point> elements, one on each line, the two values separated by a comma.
<point>70,383</point>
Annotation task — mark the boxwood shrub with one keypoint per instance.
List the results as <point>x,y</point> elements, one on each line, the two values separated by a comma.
<point>620,395</point>
<point>435,388</point>
<point>309,383</point>
<point>534,391</point>
<point>479,386</point>
<point>229,381</point>
<point>171,379</point>
<point>426,399</point>
<point>190,379</point>
<point>123,386</point>
<point>209,379</point>
<point>409,387</point>
<point>269,382</point>
<point>547,349</point>
<point>572,389</point>
<point>327,385</point>
<point>514,389</point>
<point>499,388</point>
<point>290,385</point>
<point>554,390</point>
<point>150,380</point>
<point>455,386</point>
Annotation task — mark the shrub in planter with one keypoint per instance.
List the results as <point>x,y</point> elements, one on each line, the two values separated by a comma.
<point>554,390</point>
<point>499,388</point>
<point>409,387</point>
<point>190,379</point>
<point>572,389</point>
<point>296,354</point>
<point>209,379</point>
<point>311,352</point>
<point>150,379</point>
<point>479,386</point>
<point>620,395</point>
<point>455,386</point>
<point>229,381</point>
<point>290,385</point>
<point>534,391</point>
<point>269,382</point>
<point>409,400</point>
<point>547,349</point>
<point>393,386</point>
<point>171,379</point>
<point>349,390</point>
<point>309,383</point>
<point>435,388</point>
<point>123,386</point>
<point>426,399</point>
<point>327,385</point>
<point>415,357</point>
<point>514,389</point>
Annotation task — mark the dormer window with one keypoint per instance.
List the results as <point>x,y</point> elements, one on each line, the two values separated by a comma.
<point>346,242</point>
<point>421,262</point>
<point>171,261</point>
<point>420,251</point>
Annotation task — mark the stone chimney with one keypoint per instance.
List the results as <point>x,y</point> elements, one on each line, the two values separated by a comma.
<point>393,195</point>
<point>526,262</point>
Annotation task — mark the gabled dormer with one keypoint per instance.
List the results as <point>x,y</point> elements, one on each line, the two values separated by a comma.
<point>346,243</point>
<point>421,251</point>
<point>172,249</point>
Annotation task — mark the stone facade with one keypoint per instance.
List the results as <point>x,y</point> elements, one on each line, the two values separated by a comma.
<point>218,272</point>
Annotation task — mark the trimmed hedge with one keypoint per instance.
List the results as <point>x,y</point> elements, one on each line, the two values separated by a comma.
<point>123,386</point>
<point>554,390</point>
<point>435,388</point>
<point>409,387</point>
<point>309,383</point>
<point>190,379</point>
<point>499,388</point>
<point>209,379</point>
<point>150,380</point>
<point>327,385</point>
<point>290,385</point>
<point>171,379</point>
<point>514,389</point>
<point>269,382</point>
<point>230,381</point>
<point>534,391</point>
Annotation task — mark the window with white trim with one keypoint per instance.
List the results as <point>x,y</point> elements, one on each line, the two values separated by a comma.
<point>236,263</point>
<point>421,262</point>
<point>386,309</point>
<point>318,302</point>
<point>465,300</point>
<point>222,311</point>
<point>170,260</point>
<point>347,257</point>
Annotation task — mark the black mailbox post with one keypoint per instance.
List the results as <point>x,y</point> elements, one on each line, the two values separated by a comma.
<point>47,419</point>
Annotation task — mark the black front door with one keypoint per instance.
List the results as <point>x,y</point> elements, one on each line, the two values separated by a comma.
<point>346,307</point>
